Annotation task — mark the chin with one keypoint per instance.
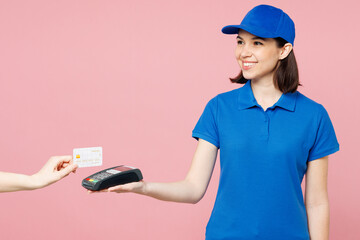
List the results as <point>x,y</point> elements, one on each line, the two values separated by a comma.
<point>248,76</point>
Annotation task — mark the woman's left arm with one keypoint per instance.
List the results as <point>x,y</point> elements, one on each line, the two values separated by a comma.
<point>316,199</point>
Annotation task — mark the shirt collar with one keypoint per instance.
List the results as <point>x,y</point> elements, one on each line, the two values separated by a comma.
<point>246,99</point>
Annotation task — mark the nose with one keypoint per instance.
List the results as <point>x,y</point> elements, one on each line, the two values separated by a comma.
<point>245,51</point>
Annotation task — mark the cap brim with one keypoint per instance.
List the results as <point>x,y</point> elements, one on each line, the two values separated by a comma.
<point>231,29</point>
<point>234,29</point>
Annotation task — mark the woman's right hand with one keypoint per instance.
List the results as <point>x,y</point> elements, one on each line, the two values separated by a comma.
<point>134,187</point>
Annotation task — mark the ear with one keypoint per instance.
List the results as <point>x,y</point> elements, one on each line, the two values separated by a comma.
<point>285,50</point>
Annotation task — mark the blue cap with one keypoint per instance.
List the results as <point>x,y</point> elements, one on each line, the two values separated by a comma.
<point>267,22</point>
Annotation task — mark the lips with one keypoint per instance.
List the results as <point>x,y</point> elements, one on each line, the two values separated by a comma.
<point>248,65</point>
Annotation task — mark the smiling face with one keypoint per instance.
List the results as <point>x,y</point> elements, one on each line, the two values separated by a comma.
<point>257,57</point>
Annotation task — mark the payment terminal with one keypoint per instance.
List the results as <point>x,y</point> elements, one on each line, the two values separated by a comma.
<point>111,177</point>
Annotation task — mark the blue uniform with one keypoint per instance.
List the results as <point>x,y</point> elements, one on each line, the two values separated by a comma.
<point>263,159</point>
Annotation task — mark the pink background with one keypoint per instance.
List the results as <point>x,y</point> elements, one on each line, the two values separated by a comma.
<point>134,77</point>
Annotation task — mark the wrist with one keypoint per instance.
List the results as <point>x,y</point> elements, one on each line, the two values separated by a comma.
<point>145,188</point>
<point>35,182</point>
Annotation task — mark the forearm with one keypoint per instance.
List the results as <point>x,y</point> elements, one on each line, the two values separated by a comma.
<point>189,190</point>
<point>318,221</point>
<point>11,182</point>
<point>182,191</point>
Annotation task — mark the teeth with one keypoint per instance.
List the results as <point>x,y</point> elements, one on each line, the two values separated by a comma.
<point>248,64</point>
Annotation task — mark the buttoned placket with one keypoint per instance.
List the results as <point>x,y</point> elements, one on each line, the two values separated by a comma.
<point>265,128</point>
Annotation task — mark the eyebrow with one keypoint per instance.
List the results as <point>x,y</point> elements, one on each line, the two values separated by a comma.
<point>254,38</point>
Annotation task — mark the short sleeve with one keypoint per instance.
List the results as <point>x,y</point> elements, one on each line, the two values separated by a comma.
<point>206,127</point>
<point>325,142</point>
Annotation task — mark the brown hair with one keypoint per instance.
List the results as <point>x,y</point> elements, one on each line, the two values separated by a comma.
<point>286,76</point>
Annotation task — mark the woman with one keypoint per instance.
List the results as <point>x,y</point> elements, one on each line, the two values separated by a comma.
<point>269,135</point>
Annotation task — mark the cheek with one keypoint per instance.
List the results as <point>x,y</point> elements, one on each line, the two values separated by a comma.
<point>237,53</point>
<point>269,58</point>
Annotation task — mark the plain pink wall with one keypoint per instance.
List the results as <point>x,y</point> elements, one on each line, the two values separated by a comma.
<point>134,77</point>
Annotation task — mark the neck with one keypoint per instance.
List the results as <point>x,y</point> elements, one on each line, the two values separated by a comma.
<point>265,91</point>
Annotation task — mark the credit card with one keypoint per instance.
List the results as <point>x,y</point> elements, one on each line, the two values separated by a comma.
<point>88,157</point>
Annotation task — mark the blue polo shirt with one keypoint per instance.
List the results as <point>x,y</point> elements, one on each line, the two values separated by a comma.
<point>263,159</point>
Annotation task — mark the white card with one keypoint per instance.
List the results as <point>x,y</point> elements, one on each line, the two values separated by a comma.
<point>88,157</point>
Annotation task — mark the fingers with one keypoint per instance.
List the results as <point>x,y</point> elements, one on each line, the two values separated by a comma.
<point>57,162</point>
<point>118,188</point>
<point>112,189</point>
<point>67,170</point>
<point>66,158</point>
<point>65,165</point>
<point>91,192</point>
<point>129,187</point>
<point>61,159</point>
<point>135,187</point>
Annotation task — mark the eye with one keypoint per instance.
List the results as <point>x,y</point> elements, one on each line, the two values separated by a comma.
<point>258,43</point>
<point>239,42</point>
